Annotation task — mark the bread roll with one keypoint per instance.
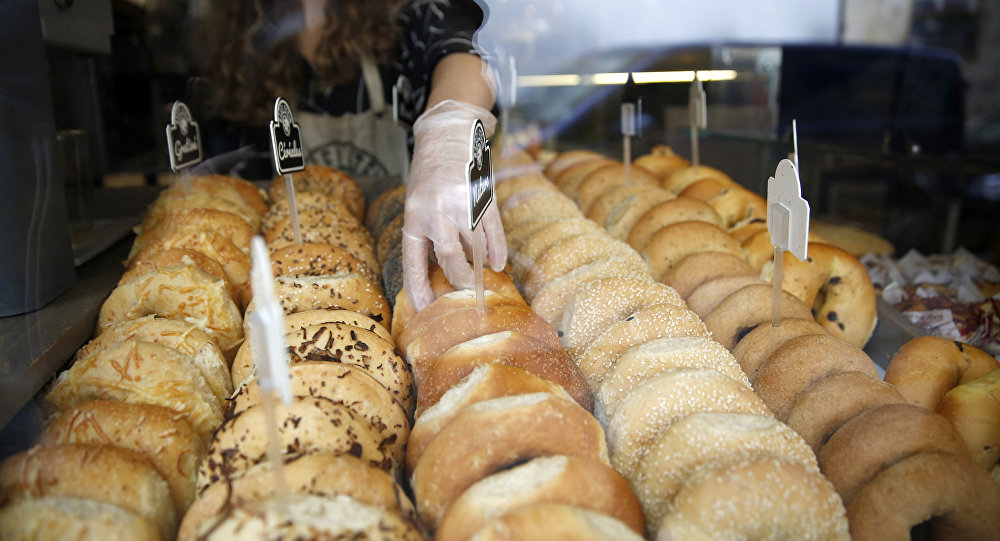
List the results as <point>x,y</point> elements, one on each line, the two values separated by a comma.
<point>55,518</point>
<point>542,522</point>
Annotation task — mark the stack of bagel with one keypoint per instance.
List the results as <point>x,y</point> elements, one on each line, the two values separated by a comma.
<point>663,388</point>
<point>134,411</point>
<point>343,436</point>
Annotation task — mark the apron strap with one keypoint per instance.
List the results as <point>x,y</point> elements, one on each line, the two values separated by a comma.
<point>373,83</point>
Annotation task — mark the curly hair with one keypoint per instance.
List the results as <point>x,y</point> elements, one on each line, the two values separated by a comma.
<point>255,57</point>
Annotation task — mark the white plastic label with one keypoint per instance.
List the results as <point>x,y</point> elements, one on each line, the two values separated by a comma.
<point>628,119</point>
<point>266,326</point>
<point>286,145</point>
<point>183,138</point>
<point>697,104</point>
<point>479,175</point>
<point>787,211</point>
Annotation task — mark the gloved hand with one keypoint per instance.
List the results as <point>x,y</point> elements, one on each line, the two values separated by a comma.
<point>436,211</point>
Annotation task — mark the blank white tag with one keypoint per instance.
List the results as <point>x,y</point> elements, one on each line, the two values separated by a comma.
<point>787,211</point>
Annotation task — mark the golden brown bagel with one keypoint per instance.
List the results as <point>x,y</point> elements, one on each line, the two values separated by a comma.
<point>927,367</point>
<point>673,243</point>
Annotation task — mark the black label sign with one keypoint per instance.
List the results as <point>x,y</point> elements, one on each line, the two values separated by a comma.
<point>480,175</point>
<point>402,106</point>
<point>183,138</point>
<point>286,145</point>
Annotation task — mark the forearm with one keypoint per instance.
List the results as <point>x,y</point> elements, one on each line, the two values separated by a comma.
<point>462,77</point>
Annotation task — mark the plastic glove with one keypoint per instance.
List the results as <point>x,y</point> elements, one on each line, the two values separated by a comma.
<point>436,211</point>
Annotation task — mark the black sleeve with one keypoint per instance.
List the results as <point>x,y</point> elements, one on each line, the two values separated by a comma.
<point>430,30</point>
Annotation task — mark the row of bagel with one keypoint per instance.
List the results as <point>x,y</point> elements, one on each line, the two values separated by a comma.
<point>819,384</point>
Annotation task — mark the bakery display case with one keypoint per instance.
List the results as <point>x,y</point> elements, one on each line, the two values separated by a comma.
<point>636,317</point>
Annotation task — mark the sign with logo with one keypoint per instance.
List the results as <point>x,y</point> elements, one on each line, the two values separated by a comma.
<point>402,110</point>
<point>286,145</point>
<point>787,211</point>
<point>480,175</point>
<point>183,138</point>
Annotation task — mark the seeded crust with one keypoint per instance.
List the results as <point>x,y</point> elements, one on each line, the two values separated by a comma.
<point>318,259</point>
<point>625,215</point>
<point>584,483</point>
<point>607,202</point>
<point>348,385</point>
<point>306,426</point>
<point>880,437</point>
<point>392,276</point>
<point>566,159</point>
<point>518,233</point>
<point>571,177</point>
<point>572,253</point>
<point>160,435</point>
<point>662,400</point>
<point>551,301</point>
<point>669,212</point>
<point>761,498</point>
<point>682,178</point>
<point>603,302</point>
<point>229,225</point>
<point>703,441</point>
<point>294,322</point>
<point>345,344</point>
<point>321,220</point>
<point>325,180</point>
<point>144,373</point>
<point>527,205</point>
<point>696,269</point>
<point>606,178</point>
<point>746,308</point>
<point>664,320</point>
<point>389,243</point>
<point>490,436</point>
<point>386,206</point>
<point>655,357</point>
<point>306,202</point>
<point>345,291</point>
<point>753,349</point>
<point>546,237</point>
<point>318,474</point>
<point>708,295</point>
<point>802,361</point>
<point>671,244</point>
<point>104,473</point>
<point>823,407</point>
<point>355,244</point>
<point>506,188</point>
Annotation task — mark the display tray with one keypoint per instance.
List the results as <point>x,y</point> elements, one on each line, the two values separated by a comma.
<point>892,331</point>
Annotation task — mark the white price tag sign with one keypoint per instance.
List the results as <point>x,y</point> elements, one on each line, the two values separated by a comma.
<point>266,323</point>
<point>697,104</point>
<point>787,211</point>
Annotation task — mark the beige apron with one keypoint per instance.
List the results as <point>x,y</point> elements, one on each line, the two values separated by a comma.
<point>369,146</point>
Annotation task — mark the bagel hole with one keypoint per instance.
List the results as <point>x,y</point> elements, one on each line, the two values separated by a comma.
<point>922,531</point>
<point>743,332</point>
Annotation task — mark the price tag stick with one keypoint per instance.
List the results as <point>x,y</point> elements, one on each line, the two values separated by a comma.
<point>630,102</point>
<point>479,178</point>
<point>183,144</point>
<point>698,114</point>
<point>271,359</point>
<point>286,148</point>
<point>788,224</point>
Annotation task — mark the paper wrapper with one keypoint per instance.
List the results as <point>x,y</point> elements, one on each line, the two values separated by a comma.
<point>956,296</point>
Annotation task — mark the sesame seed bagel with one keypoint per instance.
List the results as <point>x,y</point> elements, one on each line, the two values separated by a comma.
<point>670,244</point>
<point>545,238</point>
<point>321,220</point>
<point>160,435</point>
<point>581,482</point>
<point>757,345</point>
<point>103,473</point>
<point>348,385</point>
<point>464,324</point>
<point>708,295</point>
<point>696,269</point>
<point>357,245</point>
<point>344,291</point>
<point>542,522</point>
<point>550,303</point>
<point>518,233</point>
<point>492,435</point>
<point>141,373</point>
<point>318,474</point>
<point>601,303</point>
<point>384,209</point>
<point>664,399</point>
<point>306,203</point>
<point>704,441</point>
<point>664,320</point>
<point>505,188</point>
<point>505,348</point>
<point>339,343</point>
<point>158,259</point>
<point>682,178</point>
<point>326,180</point>
<point>571,177</point>
<point>526,206</point>
<point>655,357</point>
<point>608,177</point>
<point>624,216</point>
<point>802,361</point>
<point>927,367</point>
<point>567,159</point>
<point>880,437</point>
<point>318,259</point>
<point>925,487</point>
<point>669,212</point>
<point>607,202</point>
<point>306,426</point>
<point>572,253</point>
<point>485,382</point>
<point>760,498</point>
<point>65,517</point>
<point>746,308</point>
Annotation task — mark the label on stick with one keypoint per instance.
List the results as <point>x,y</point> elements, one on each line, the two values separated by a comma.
<point>697,104</point>
<point>286,145</point>
<point>787,211</point>
<point>479,175</point>
<point>183,138</point>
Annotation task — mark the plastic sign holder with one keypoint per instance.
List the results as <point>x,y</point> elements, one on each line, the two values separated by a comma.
<point>183,143</point>
<point>788,224</point>
<point>479,177</point>
<point>631,109</point>
<point>286,148</point>
<point>698,116</point>
<point>267,341</point>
